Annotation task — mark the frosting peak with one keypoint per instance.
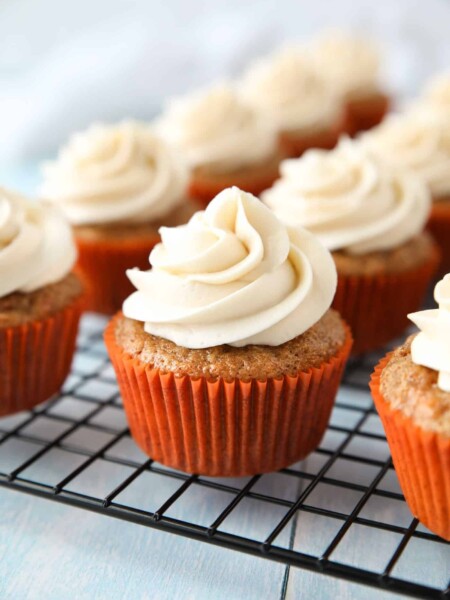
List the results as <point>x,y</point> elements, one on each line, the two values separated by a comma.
<point>115,173</point>
<point>431,347</point>
<point>215,127</point>
<point>233,275</point>
<point>349,200</point>
<point>286,88</point>
<point>437,95</point>
<point>36,244</point>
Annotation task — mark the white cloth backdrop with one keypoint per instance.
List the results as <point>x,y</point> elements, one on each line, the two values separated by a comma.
<point>65,64</point>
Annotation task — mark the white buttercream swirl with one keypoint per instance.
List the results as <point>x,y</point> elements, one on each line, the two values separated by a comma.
<point>349,62</point>
<point>215,127</point>
<point>431,347</point>
<point>233,275</point>
<point>36,244</point>
<point>287,89</point>
<point>417,140</point>
<point>349,200</point>
<point>116,173</point>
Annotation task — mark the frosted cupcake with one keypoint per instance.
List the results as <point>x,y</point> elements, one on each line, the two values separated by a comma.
<point>228,357</point>
<point>40,302</point>
<point>287,90</point>
<point>371,218</point>
<point>420,141</point>
<point>352,66</point>
<point>224,141</point>
<point>117,184</point>
<point>411,390</point>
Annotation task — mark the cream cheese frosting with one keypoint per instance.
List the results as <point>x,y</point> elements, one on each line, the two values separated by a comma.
<point>233,275</point>
<point>349,62</point>
<point>417,140</point>
<point>121,173</point>
<point>215,127</point>
<point>436,96</point>
<point>287,89</point>
<point>431,347</point>
<point>350,200</point>
<point>36,244</point>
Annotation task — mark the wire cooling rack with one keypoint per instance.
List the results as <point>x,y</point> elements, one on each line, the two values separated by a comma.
<point>339,512</point>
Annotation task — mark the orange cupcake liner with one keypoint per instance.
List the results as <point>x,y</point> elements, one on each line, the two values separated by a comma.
<point>421,459</point>
<point>35,358</point>
<point>102,265</point>
<point>439,226</point>
<point>226,428</point>
<point>203,188</point>
<point>376,306</point>
<point>365,113</point>
<point>294,145</point>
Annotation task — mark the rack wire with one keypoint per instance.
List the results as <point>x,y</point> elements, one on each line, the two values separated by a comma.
<point>339,512</point>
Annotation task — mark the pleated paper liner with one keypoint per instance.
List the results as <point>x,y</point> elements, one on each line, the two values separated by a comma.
<point>294,144</point>
<point>225,428</point>
<point>376,306</point>
<point>204,185</point>
<point>102,265</point>
<point>35,358</point>
<point>365,113</point>
<point>421,459</point>
<point>439,226</point>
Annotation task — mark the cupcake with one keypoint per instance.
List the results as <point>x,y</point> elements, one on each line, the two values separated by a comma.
<point>40,302</point>
<point>228,356</point>
<point>287,90</point>
<point>116,184</point>
<point>411,390</point>
<point>351,65</point>
<point>224,140</point>
<point>371,217</point>
<point>420,140</point>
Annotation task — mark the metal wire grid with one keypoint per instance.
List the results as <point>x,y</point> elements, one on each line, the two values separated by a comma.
<point>101,419</point>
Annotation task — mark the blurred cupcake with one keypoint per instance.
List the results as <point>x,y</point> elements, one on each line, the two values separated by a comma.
<point>287,90</point>
<point>371,218</point>
<point>351,65</point>
<point>411,390</point>
<point>117,184</point>
<point>40,302</point>
<point>420,141</point>
<point>224,141</point>
<point>228,357</point>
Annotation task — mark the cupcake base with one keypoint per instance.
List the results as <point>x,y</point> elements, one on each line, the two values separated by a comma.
<point>206,183</point>
<point>421,459</point>
<point>221,427</point>
<point>294,143</point>
<point>367,112</point>
<point>102,264</point>
<point>35,358</point>
<point>376,305</point>
<point>439,226</point>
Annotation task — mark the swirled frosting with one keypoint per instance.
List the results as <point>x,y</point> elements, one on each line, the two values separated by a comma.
<point>349,62</point>
<point>115,173</point>
<point>36,244</point>
<point>233,275</point>
<point>214,127</point>
<point>286,89</point>
<point>349,200</point>
<point>431,347</point>
<point>416,140</point>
